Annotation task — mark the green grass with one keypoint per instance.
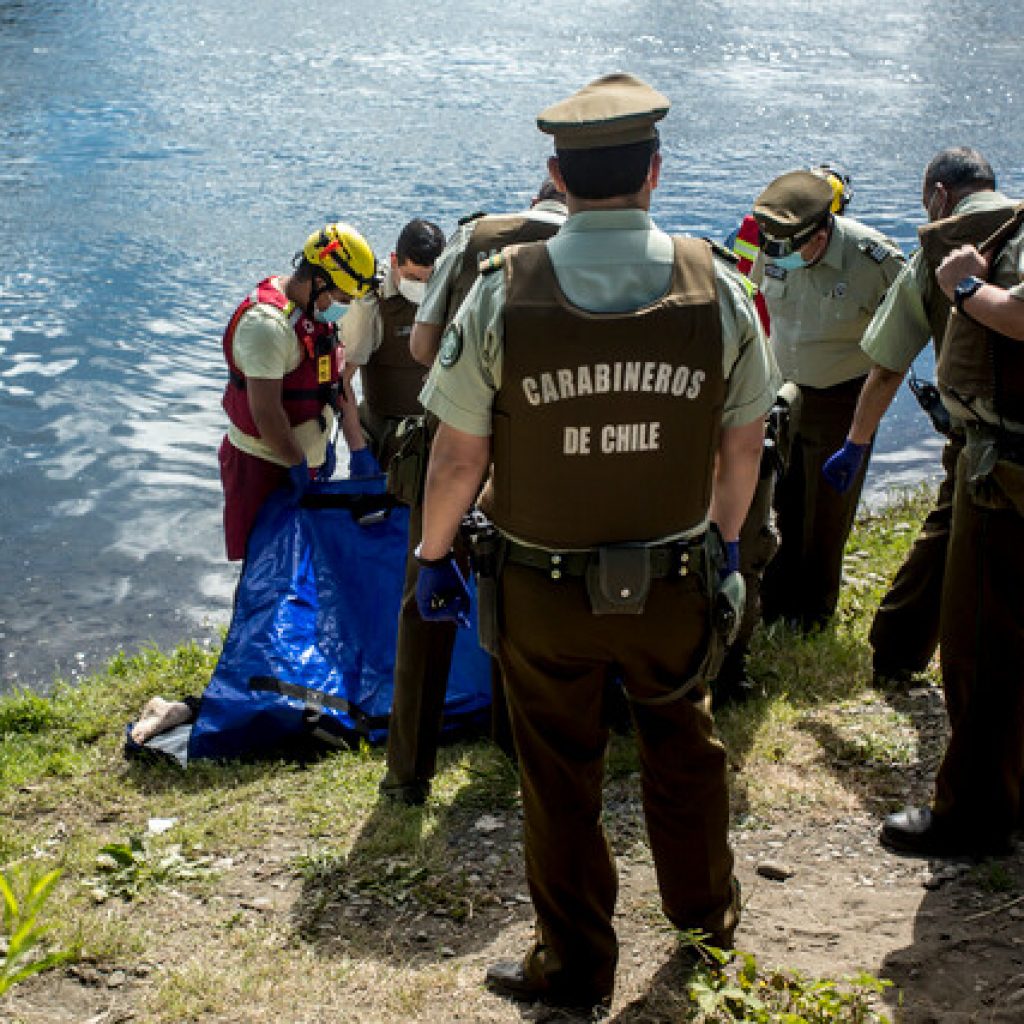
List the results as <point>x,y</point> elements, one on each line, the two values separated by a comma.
<point>817,739</point>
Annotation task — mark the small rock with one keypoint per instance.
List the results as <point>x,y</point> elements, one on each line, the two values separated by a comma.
<point>116,979</point>
<point>488,823</point>
<point>774,871</point>
<point>1016,998</point>
<point>447,951</point>
<point>157,826</point>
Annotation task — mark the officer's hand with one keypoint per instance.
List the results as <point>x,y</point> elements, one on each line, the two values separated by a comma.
<point>441,593</point>
<point>298,481</point>
<point>330,463</point>
<point>842,467</point>
<point>732,559</point>
<point>362,464</point>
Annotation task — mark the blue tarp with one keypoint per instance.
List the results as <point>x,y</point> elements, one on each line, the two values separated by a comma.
<point>312,639</point>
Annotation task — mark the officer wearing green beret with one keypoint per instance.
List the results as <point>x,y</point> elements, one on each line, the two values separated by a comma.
<point>617,378</point>
<point>825,275</point>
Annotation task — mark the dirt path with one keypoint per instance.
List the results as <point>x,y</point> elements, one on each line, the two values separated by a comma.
<point>950,935</point>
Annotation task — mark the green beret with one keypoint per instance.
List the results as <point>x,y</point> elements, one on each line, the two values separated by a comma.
<point>793,205</point>
<point>612,111</point>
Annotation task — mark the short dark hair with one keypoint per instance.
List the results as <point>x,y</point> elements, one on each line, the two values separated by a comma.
<point>959,167</point>
<point>420,242</point>
<point>607,171</point>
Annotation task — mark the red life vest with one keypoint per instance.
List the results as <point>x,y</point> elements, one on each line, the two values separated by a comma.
<point>313,384</point>
<point>747,245</point>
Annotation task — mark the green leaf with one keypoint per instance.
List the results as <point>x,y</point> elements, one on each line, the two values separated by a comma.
<point>36,967</point>
<point>41,889</point>
<point>120,852</point>
<point>10,900</point>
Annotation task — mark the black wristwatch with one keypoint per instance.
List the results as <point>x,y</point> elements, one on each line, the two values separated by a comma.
<point>964,290</point>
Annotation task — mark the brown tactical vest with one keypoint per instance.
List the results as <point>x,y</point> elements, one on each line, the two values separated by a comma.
<point>490,235</point>
<point>606,424</point>
<point>976,363</point>
<point>392,379</point>
<point>938,240</point>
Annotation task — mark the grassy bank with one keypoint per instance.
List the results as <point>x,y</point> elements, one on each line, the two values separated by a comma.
<point>289,893</point>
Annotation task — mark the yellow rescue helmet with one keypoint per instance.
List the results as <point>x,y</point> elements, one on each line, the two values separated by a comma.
<point>344,256</point>
<point>839,182</point>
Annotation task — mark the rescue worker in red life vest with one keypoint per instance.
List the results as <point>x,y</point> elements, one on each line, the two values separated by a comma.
<point>614,379</point>
<point>375,333</point>
<point>285,364</point>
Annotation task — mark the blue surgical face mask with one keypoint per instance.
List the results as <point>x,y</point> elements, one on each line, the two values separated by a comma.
<point>794,261</point>
<point>332,314</point>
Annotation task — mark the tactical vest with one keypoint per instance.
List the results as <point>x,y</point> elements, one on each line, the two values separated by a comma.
<point>977,363</point>
<point>490,235</point>
<point>392,379</point>
<point>938,240</point>
<point>305,391</point>
<point>606,424</point>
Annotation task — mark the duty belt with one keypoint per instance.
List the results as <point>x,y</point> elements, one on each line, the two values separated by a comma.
<point>675,558</point>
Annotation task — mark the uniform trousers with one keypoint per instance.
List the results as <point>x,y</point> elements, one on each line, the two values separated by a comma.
<point>905,630</point>
<point>555,656</point>
<point>423,658</point>
<point>978,787</point>
<point>801,583</point>
<point>247,481</point>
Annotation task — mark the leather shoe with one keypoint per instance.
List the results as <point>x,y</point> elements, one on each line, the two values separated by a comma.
<point>917,831</point>
<point>509,978</point>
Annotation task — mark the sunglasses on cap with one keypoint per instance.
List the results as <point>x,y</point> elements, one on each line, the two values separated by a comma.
<point>775,248</point>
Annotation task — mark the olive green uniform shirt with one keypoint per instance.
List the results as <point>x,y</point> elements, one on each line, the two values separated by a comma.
<point>449,264</point>
<point>819,313</point>
<point>900,330</point>
<point>605,262</point>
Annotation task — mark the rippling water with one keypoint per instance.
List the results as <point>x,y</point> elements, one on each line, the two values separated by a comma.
<point>157,158</point>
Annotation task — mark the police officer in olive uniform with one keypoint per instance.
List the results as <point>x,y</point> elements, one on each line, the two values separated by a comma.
<point>824,278</point>
<point>618,378</point>
<point>375,333</point>
<point>423,650</point>
<point>977,801</point>
<point>963,207</point>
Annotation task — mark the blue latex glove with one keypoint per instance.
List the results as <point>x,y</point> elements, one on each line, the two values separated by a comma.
<point>330,463</point>
<point>441,593</point>
<point>732,559</point>
<point>298,481</point>
<point>841,468</point>
<point>362,463</point>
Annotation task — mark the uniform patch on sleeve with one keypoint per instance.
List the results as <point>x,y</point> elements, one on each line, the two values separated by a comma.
<point>451,347</point>
<point>877,251</point>
<point>773,270</point>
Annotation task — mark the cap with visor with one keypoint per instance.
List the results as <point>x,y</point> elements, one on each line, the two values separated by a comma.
<point>790,210</point>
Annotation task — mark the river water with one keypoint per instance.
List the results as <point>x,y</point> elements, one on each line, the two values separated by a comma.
<point>158,157</point>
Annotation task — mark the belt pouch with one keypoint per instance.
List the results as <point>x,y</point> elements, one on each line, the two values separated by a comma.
<point>618,580</point>
<point>407,470</point>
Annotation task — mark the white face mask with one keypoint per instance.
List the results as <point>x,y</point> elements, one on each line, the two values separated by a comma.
<point>412,290</point>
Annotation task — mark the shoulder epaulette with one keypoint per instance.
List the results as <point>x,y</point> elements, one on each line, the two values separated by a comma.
<point>878,251</point>
<point>722,252</point>
<point>775,271</point>
<point>490,262</point>
<point>470,217</point>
